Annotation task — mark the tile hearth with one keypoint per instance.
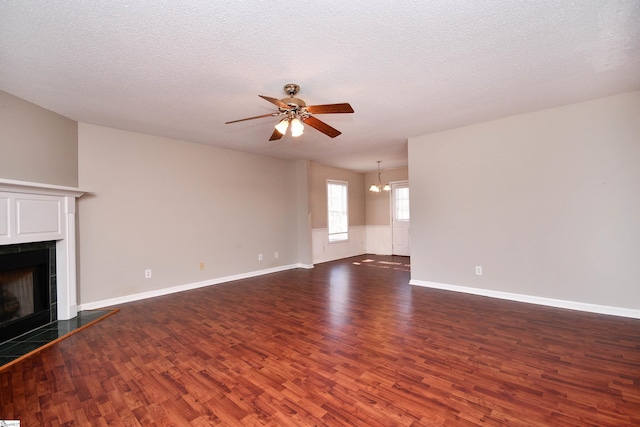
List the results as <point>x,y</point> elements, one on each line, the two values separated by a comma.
<point>16,348</point>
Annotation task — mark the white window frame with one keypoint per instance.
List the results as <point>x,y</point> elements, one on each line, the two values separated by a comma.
<point>341,234</point>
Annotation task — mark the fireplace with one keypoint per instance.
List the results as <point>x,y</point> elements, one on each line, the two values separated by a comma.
<point>37,255</point>
<point>27,288</point>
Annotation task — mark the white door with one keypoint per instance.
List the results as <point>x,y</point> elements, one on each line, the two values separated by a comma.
<point>400,218</point>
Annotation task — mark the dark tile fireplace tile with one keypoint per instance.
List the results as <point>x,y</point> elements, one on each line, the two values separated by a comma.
<point>26,343</point>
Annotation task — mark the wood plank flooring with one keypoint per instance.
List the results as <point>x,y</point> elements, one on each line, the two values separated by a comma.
<point>346,343</point>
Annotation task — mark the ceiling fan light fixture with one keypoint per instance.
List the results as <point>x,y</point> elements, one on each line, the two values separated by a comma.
<point>297,128</point>
<point>282,126</point>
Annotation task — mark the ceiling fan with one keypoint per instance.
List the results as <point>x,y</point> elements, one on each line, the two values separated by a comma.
<point>297,112</point>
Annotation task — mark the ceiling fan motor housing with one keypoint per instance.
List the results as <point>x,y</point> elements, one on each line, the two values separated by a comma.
<point>295,104</point>
<point>291,89</point>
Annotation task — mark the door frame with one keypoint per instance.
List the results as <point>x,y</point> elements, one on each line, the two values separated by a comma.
<point>392,204</point>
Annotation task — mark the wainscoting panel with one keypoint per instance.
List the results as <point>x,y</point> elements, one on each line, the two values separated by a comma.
<point>324,251</point>
<point>379,239</point>
<point>4,217</point>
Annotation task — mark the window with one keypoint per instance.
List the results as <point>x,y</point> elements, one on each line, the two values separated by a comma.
<point>402,203</point>
<point>338,215</point>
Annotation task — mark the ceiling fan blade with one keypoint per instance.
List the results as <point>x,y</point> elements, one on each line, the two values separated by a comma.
<point>275,135</point>
<point>251,118</point>
<point>321,126</point>
<point>274,101</point>
<point>330,108</point>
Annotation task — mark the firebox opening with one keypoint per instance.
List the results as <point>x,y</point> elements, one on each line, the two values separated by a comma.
<point>26,276</point>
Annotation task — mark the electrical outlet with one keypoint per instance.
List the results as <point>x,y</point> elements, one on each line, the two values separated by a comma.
<point>202,266</point>
<point>478,270</point>
<point>275,255</point>
<point>259,257</point>
<point>147,273</point>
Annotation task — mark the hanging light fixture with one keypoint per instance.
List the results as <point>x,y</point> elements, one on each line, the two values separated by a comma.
<point>376,188</point>
<point>297,128</point>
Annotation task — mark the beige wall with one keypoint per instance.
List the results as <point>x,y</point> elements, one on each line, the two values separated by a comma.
<point>168,205</point>
<point>37,145</point>
<point>318,194</point>
<point>379,204</point>
<point>548,203</point>
<point>303,171</point>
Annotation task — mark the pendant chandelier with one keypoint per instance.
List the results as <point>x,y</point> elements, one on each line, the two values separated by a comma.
<point>376,188</point>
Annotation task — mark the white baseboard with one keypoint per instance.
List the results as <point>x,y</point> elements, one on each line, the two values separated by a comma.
<point>571,305</point>
<point>166,291</point>
<point>307,266</point>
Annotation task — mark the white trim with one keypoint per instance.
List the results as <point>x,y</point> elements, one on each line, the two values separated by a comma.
<point>307,266</point>
<point>29,204</point>
<point>392,202</point>
<point>66,280</point>
<point>344,184</point>
<point>24,187</point>
<point>180,288</point>
<point>550,302</point>
<point>392,215</point>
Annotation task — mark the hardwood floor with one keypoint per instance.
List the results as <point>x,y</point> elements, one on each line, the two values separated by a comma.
<point>346,343</point>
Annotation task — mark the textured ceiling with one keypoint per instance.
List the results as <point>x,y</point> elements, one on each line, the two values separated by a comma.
<point>182,68</point>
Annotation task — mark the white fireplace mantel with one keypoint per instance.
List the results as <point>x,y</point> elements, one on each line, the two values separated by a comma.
<point>34,212</point>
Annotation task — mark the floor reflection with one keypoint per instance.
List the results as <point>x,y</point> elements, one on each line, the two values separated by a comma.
<point>346,295</point>
<point>395,265</point>
<point>339,287</point>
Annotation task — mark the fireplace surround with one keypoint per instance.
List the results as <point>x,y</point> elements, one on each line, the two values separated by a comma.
<point>36,215</point>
